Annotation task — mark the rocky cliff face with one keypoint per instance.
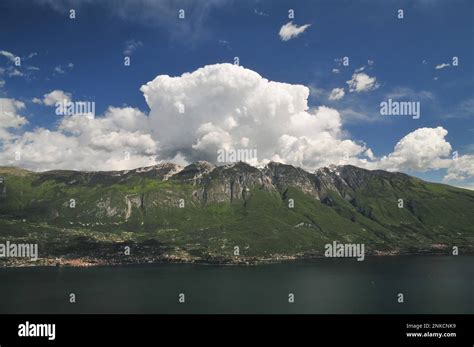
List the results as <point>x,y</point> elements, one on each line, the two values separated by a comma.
<point>234,181</point>
<point>128,193</point>
<point>216,184</point>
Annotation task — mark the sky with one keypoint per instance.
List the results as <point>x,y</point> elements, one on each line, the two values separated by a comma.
<point>301,82</point>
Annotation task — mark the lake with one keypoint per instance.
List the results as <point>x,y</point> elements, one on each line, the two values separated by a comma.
<point>429,284</point>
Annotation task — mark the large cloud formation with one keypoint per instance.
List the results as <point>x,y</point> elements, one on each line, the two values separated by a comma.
<point>228,107</point>
<point>118,140</point>
<point>421,150</point>
<point>217,107</point>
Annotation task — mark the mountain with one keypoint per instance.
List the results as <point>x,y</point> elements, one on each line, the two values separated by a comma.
<point>202,212</point>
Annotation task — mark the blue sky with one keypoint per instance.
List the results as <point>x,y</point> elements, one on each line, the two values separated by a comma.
<point>88,51</point>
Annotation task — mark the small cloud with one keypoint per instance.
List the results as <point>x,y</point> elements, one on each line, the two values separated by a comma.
<point>10,117</point>
<point>14,73</point>
<point>224,42</point>
<point>13,70</point>
<point>62,69</point>
<point>355,116</point>
<point>260,13</point>
<point>50,99</point>
<point>36,101</point>
<point>409,93</point>
<point>424,61</point>
<point>59,69</point>
<point>10,56</point>
<point>335,70</point>
<point>336,94</point>
<point>361,82</point>
<point>131,46</point>
<point>290,31</point>
<point>461,169</point>
<point>441,66</point>
<point>370,62</point>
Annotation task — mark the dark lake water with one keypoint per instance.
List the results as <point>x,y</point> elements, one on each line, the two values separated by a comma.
<point>430,284</point>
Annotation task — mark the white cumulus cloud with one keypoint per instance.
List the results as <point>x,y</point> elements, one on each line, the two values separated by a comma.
<point>224,104</point>
<point>10,117</point>
<point>361,82</point>
<point>421,150</point>
<point>117,140</point>
<point>290,30</point>
<point>336,94</point>
<point>221,106</point>
<point>462,168</point>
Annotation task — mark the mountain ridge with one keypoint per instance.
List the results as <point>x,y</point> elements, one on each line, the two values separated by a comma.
<point>201,212</point>
<point>163,165</point>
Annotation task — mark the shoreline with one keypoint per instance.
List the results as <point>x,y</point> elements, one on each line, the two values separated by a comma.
<point>84,262</point>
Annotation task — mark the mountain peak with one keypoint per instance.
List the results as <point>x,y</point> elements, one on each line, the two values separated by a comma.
<point>195,171</point>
